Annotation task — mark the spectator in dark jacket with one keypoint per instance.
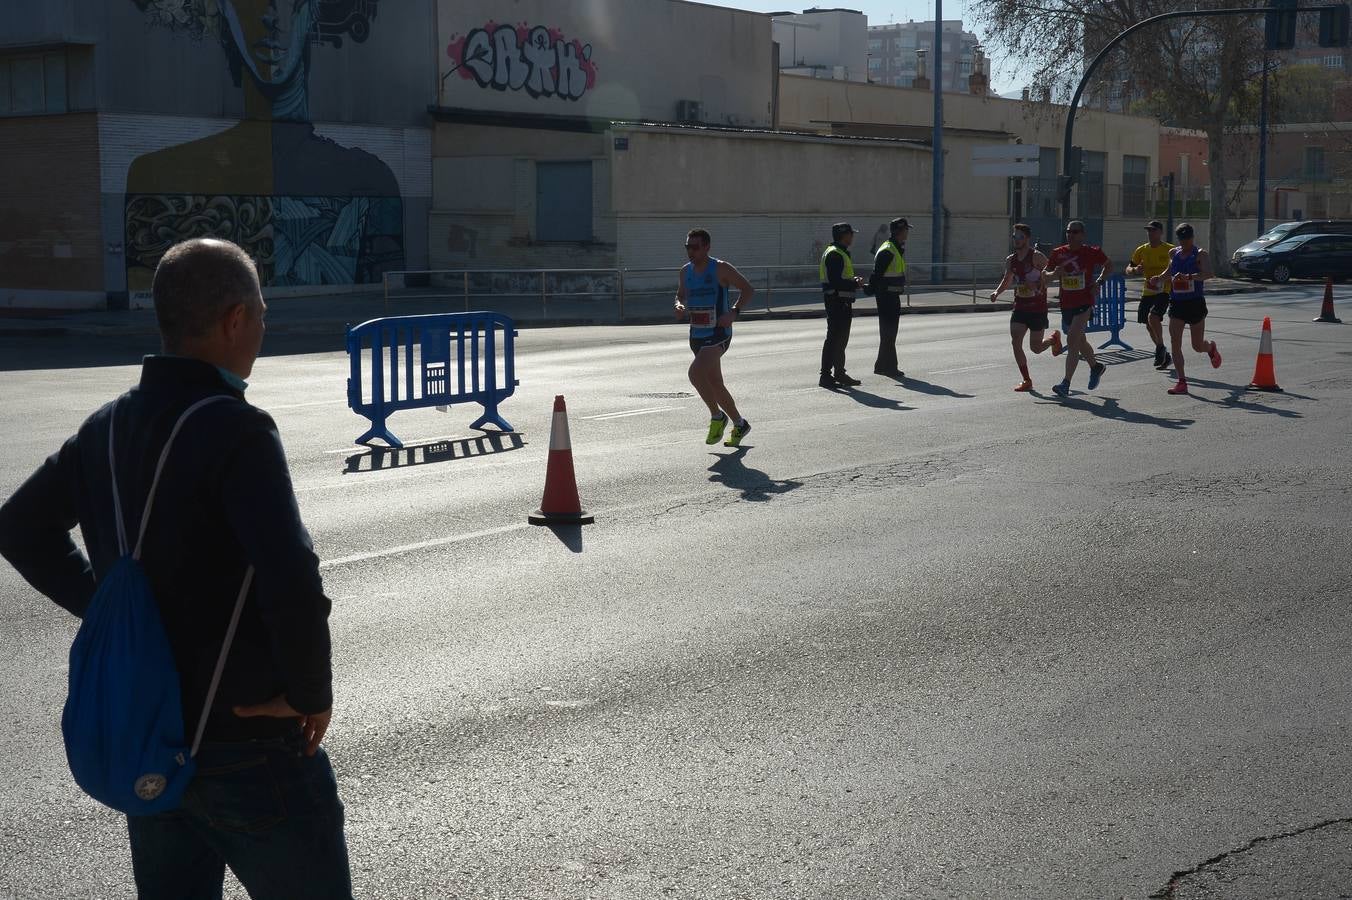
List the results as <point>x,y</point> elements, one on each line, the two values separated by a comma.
<point>264,800</point>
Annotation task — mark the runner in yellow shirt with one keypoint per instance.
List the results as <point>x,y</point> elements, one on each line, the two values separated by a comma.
<point>1151,259</point>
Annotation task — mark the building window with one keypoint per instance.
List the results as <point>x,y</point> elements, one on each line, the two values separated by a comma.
<point>563,201</point>
<point>1135,172</point>
<point>1333,62</point>
<point>875,45</point>
<point>1314,163</point>
<point>33,84</point>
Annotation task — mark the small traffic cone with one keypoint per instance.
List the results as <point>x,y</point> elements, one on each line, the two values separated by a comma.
<point>1326,313</point>
<point>1264,378</point>
<point>561,505</point>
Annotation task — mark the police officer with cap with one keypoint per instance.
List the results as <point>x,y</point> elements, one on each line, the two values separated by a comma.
<point>888,283</point>
<point>839,287</point>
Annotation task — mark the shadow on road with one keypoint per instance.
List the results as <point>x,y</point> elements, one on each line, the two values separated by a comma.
<point>937,390</point>
<point>1118,357</point>
<point>730,470</point>
<point>1241,398</point>
<point>569,535</point>
<point>38,351</point>
<point>876,401</point>
<point>379,458</point>
<point>1111,409</point>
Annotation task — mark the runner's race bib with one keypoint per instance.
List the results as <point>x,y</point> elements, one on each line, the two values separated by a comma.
<point>702,318</point>
<point>1182,284</point>
<point>1072,282</point>
<point>1024,291</point>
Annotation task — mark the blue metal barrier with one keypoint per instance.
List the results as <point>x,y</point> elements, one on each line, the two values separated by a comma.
<point>456,362</point>
<point>1110,311</point>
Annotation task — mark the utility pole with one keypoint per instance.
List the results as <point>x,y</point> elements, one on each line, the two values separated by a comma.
<point>1262,151</point>
<point>937,166</point>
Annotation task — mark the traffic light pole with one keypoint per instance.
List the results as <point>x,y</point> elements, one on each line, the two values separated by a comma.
<point>1068,177</point>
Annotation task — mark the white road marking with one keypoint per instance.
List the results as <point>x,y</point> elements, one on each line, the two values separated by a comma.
<point>303,405</point>
<point>630,412</point>
<point>421,545</point>
<point>967,369</point>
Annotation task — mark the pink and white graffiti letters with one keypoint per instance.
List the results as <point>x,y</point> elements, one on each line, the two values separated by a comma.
<point>538,60</point>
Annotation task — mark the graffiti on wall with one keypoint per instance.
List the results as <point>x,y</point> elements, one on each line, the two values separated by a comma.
<point>309,210</point>
<point>293,240</point>
<point>538,60</point>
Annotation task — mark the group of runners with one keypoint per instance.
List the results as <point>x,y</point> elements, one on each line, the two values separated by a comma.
<point>1175,277</point>
<point>1174,283</point>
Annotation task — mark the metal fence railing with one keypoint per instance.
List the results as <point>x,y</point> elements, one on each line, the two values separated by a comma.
<point>628,292</point>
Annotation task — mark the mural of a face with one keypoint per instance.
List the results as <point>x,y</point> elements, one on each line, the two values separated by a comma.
<point>272,37</point>
<point>307,209</point>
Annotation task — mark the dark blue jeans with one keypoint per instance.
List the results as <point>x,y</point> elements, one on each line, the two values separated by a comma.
<point>262,808</point>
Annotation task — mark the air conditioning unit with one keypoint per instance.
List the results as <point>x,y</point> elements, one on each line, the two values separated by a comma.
<point>690,112</point>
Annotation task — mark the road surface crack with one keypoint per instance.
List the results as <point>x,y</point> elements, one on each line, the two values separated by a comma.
<point>1168,891</point>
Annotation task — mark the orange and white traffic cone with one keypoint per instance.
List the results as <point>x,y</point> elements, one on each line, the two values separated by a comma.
<point>561,505</point>
<point>1326,313</point>
<point>1264,378</point>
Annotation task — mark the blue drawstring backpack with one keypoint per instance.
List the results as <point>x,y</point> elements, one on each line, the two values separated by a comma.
<point>123,719</point>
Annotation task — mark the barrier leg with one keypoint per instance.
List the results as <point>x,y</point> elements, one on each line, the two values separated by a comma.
<point>378,430</point>
<point>491,417</point>
<point>377,414</point>
<point>490,391</point>
<point>1115,339</point>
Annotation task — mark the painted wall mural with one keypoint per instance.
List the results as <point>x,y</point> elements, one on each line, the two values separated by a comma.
<point>311,211</point>
<point>538,60</point>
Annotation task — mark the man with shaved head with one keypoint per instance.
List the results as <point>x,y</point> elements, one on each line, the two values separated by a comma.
<point>264,799</point>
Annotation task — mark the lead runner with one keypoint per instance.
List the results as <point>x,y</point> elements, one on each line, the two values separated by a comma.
<point>702,295</point>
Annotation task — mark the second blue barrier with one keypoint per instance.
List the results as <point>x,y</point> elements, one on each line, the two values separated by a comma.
<point>1110,311</point>
<point>415,362</point>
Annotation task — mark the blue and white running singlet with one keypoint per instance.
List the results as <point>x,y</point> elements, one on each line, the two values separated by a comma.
<point>706,300</point>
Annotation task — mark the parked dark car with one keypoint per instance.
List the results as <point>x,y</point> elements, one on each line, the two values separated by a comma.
<point>1303,256</point>
<point>1286,230</point>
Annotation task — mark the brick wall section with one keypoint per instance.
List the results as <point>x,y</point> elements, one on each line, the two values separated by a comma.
<point>50,221</point>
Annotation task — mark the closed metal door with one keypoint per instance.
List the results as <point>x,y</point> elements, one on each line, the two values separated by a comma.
<point>563,201</point>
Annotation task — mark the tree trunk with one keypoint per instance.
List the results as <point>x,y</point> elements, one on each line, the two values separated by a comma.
<point>1217,244</point>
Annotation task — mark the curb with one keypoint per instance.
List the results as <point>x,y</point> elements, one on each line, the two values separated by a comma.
<point>338,327</point>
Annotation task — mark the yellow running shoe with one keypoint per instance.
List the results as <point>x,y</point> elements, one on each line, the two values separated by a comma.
<point>716,426</point>
<point>738,432</point>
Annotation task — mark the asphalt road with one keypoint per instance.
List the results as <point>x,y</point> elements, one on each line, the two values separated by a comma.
<point>927,639</point>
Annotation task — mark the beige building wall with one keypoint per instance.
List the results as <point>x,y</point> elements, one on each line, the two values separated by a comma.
<point>483,198</point>
<point>768,198</point>
<point>630,60</point>
<point>815,104</point>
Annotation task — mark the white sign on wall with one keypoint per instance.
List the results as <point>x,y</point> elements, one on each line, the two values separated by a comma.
<point>1006,160</point>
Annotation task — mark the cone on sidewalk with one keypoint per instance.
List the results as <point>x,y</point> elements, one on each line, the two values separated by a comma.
<point>561,505</point>
<point>1326,313</point>
<point>1264,378</point>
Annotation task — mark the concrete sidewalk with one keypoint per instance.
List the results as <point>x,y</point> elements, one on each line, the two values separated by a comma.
<point>332,314</point>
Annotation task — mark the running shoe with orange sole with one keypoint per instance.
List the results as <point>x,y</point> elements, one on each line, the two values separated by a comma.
<point>1180,388</point>
<point>1057,349</point>
<point>1215,355</point>
<point>1024,387</point>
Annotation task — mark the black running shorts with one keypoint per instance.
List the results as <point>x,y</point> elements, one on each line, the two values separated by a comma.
<point>1036,321</point>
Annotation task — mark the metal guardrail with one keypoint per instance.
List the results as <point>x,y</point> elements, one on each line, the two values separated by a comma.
<point>627,286</point>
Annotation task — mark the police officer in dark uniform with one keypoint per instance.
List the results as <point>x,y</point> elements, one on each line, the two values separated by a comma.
<point>887,284</point>
<point>839,288</point>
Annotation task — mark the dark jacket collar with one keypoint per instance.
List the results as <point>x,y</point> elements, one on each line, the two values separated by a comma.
<point>178,372</point>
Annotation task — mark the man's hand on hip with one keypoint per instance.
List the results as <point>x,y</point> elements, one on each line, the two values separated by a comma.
<point>312,726</point>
